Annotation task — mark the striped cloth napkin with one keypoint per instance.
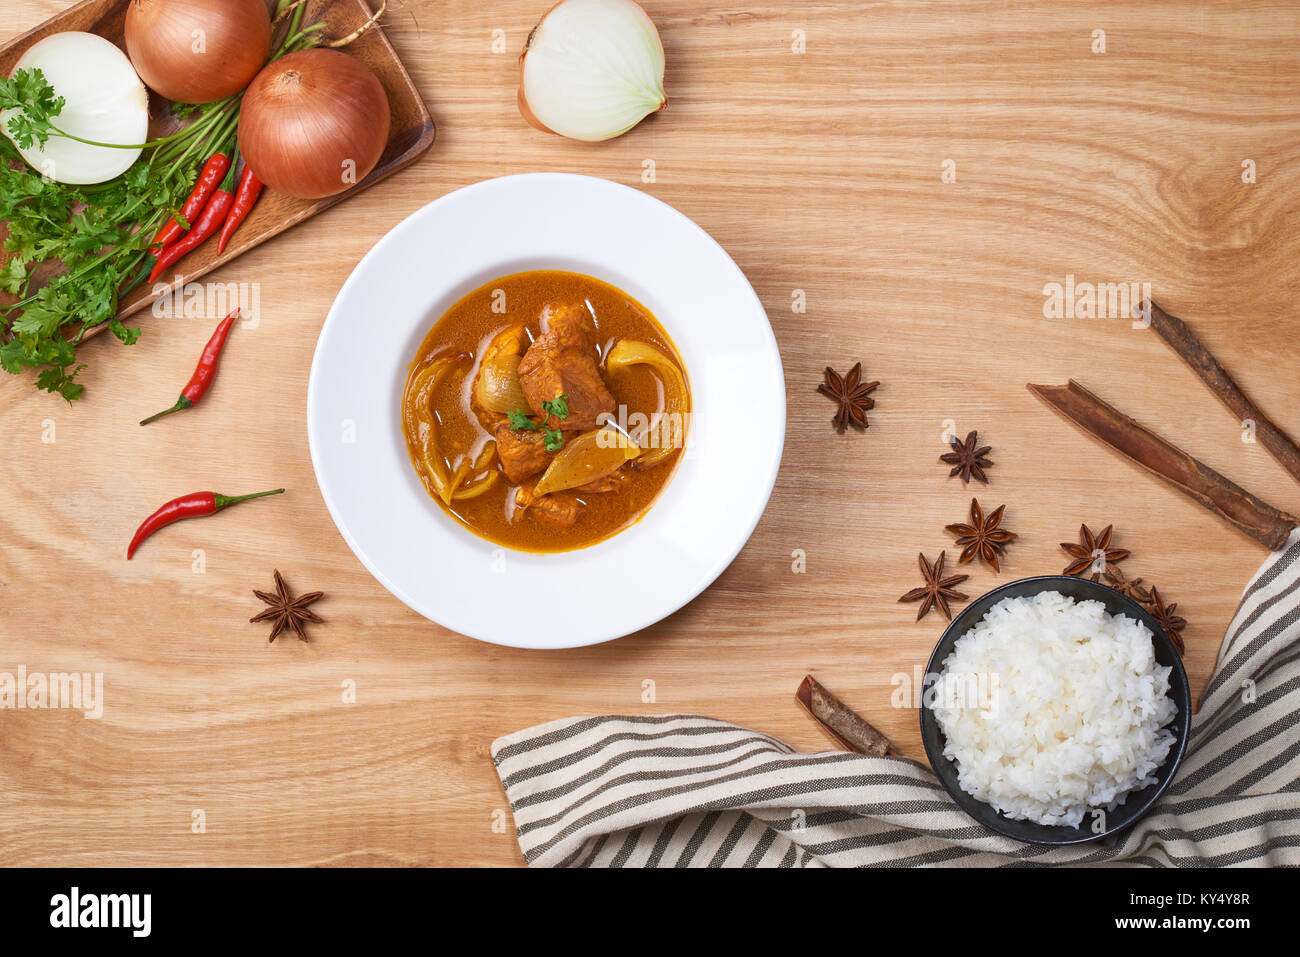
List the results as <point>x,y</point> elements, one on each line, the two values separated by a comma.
<point>680,790</point>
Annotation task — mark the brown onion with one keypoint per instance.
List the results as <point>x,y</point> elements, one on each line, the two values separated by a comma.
<point>197,51</point>
<point>588,458</point>
<point>313,123</point>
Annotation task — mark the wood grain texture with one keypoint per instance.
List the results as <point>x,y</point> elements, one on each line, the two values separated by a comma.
<point>819,172</point>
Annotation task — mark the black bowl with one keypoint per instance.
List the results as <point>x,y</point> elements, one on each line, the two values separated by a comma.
<point>1136,803</point>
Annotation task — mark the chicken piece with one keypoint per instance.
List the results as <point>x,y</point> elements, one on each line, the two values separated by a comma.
<point>556,509</point>
<point>572,324</point>
<point>562,362</point>
<point>522,453</point>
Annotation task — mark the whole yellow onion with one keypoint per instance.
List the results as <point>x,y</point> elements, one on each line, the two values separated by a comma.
<point>197,51</point>
<point>314,123</point>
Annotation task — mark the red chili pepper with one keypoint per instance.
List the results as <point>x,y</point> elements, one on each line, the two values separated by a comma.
<point>209,179</point>
<point>204,372</point>
<point>250,188</point>
<point>210,220</point>
<point>194,505</point>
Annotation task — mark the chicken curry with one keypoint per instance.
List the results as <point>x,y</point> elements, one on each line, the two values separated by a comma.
<point>546,410</point>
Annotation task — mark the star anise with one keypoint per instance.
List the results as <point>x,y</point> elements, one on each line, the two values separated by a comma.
<point>852,394</point>
<point>1092,550</point>
<point>1129,587</point>
<point>937,589</point>
<point>1172,624</point>
<point>982,537</point>
<point>287,611</point>
<point>968,459</point>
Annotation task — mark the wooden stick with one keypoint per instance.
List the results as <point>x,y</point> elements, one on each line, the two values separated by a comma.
<point>840,722</point>
<point>1183,341</point>
<point>1198,481</point>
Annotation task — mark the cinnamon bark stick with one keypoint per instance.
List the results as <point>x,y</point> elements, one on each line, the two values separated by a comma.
<point>1198,481</point>
<point>1179,337</point>
<point>840,722</point>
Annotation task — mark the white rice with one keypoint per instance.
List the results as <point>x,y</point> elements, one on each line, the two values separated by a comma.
<point>1075,713</point>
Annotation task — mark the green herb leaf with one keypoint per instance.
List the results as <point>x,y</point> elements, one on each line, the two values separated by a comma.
<point>119,329</point>
<point>13,276</point>
<point>12,356</point>
<point>558,407</point>
<point>520,422</point>
<point>554,440</point>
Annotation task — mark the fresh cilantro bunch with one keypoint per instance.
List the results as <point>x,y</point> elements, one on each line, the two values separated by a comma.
<point>95,242</point>
<point>86,244</point>
<point>29,93</point>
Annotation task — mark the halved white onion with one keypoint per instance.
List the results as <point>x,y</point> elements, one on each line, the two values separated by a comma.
<point>104,101</point>
<point>592,69</point>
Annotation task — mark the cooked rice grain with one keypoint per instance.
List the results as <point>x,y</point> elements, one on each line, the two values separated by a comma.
<point>1076,711</point>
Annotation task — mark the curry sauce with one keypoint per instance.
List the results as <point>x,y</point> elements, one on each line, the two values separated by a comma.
<point>573,346</point>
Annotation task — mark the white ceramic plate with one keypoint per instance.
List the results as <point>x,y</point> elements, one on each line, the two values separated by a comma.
<point>458,243</point>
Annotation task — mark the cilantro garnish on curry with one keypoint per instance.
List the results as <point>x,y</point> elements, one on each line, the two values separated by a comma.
<point>550,422</point>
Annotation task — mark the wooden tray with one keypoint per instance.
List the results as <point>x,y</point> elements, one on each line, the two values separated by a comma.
<point>411,132</point>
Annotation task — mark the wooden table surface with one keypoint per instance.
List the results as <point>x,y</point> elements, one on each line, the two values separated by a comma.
<point>820,170</point>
